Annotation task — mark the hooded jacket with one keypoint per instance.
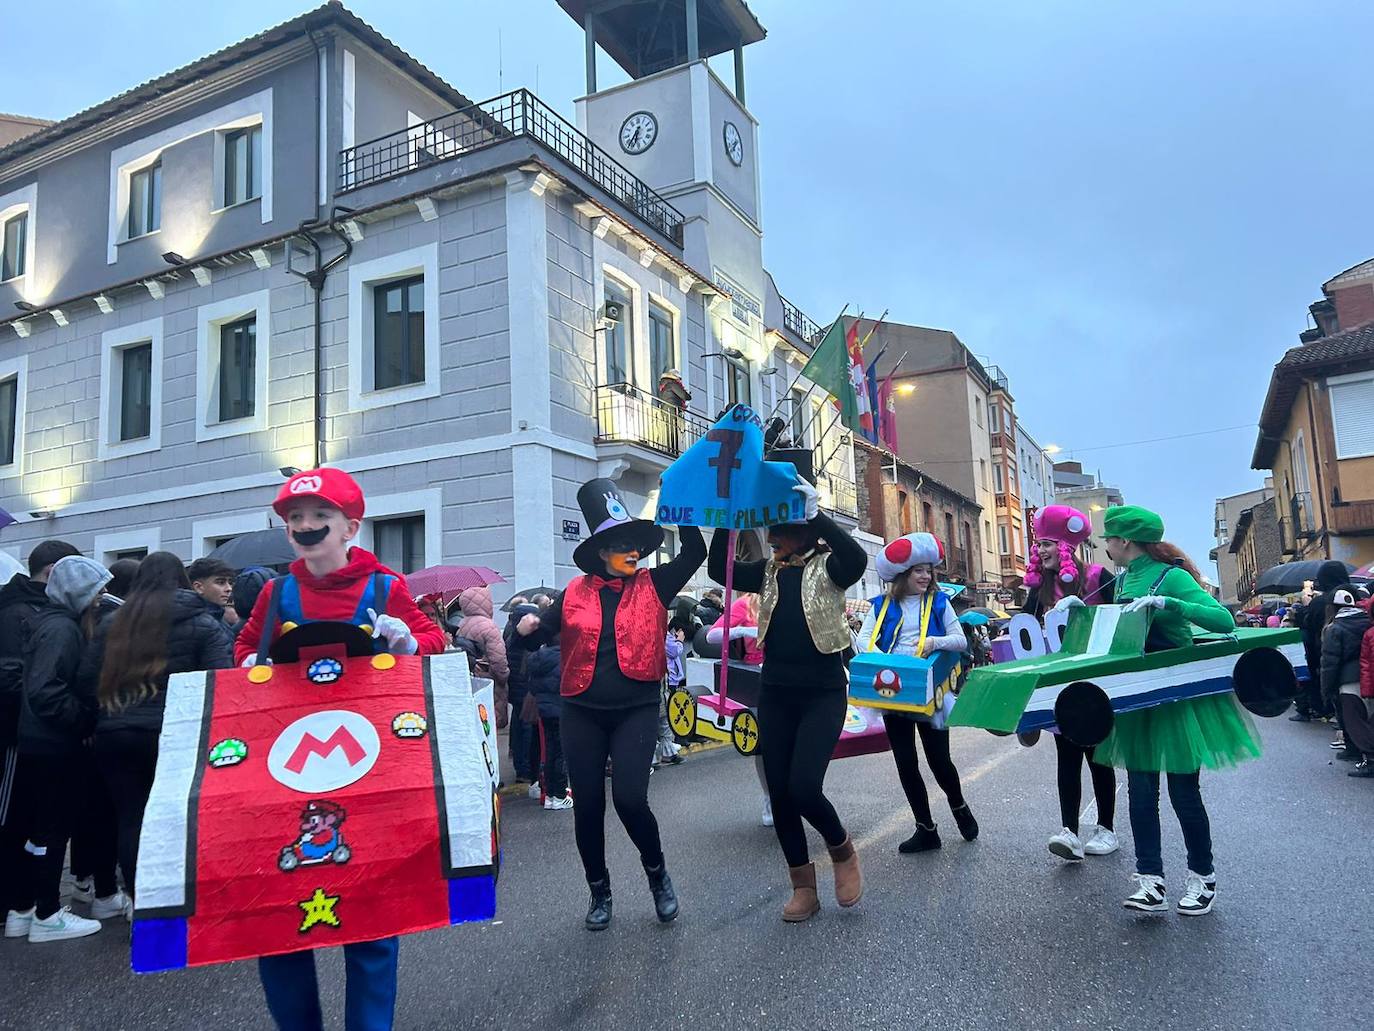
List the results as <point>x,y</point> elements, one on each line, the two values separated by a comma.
<point>57,711</point>
<point>197,639</point>
<point>517,658</point>
<point>20,602</point>
<point>335,596</point>
<point>545,677</point>
<point>1341,650</point>
<point>1330,575</point>
<point>475,605</point>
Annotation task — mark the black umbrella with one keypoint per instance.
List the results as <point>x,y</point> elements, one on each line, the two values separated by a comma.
<point>1290,576</point>
<point>258,548</point>
<point>552,592</point>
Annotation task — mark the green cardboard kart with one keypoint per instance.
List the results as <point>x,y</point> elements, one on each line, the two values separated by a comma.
<point>1102,669</point>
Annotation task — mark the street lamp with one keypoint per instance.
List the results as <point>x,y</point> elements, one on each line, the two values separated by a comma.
<point>288,471</point>
<point>733,353</point>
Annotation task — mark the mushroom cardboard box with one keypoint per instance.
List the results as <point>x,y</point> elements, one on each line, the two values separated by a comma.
<point>332,797</point>
<point>1100,668</point>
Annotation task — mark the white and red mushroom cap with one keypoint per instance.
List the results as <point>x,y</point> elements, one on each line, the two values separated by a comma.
<point>912,550</point>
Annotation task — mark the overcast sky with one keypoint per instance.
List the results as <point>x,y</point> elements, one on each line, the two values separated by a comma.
<point>1128,207</point>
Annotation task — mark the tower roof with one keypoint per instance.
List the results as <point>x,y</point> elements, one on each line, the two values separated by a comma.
<point>647,36</point>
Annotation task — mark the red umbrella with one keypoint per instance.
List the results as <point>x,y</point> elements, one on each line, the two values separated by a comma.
<point>451,579</point>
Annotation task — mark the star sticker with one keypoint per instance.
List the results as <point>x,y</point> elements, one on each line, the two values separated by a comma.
<point>319,909</point>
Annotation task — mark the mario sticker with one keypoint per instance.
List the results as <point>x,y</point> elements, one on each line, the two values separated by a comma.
<point>409,725</point>
<point>321,838</point>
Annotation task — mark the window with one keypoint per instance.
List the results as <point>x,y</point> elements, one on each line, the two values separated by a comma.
<point>949,530</point>
<point>1300,478</point>
<point>238,345</point>
<point>136,391</point>
<point>399,333</point>
<point>662,346</point>
<point>997,477</point>
<point>904,511</point>
<point>737,389</point>
<point>400,543</point>
<point>137,554</point>
<point>1002,544</point>
<point>136,544</point>
<point>14,244</point>
<point>145,200</point>
<point>968,541</point>
<point>1352,415</point>
<point>987,530</point>
<point>995,418</point>
<point>620,337</point>
<point>242,165</point>
<point>927,517</point>
<point>983,468</point>
<point>9,419</point>
<point>798,428</point>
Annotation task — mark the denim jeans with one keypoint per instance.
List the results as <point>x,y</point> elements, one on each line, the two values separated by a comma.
<point>1185,794</point>
<point>293,996</point>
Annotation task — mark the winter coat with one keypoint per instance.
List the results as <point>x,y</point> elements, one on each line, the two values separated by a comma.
<point>197,639</point>
<point>1330,575</point>
<point>475,605</point>
<point>518,658</point>
<point>1367,664</point>
<point>545,670</point>
<point>20,602</point>
<point>57,713</point>
<point>1341,641</point>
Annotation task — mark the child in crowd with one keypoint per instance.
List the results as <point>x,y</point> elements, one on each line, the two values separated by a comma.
<point>331,580</point>
<point>545,705</point>
<point>213,580</point>
<point>667,750</point>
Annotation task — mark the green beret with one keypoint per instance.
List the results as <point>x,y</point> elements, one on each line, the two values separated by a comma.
<point>1133,523</point>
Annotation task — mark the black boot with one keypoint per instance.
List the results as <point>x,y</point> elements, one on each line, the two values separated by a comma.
<point>599,912</point>
<point>968,826</point>
<point>925,839</point>
<point>665,899</point>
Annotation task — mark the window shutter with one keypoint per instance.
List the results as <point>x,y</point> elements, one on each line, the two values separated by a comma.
<point>1352,413</point>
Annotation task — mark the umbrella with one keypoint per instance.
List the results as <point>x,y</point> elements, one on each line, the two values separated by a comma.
<point>1290,576</point>
<point>528,592</point>
<point>258,548</point>
<point>974,619</point>
<point>451,579</point>
<point>990,612</point>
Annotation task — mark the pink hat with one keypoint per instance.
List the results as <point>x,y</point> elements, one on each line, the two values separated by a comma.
<point>908,551</point>
<point>1070,528</point>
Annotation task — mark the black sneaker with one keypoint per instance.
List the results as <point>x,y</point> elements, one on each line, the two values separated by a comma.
<point>1149,896</point>
<point>925,839</point>
<point>1198,895</point>
<point>1363,768</point>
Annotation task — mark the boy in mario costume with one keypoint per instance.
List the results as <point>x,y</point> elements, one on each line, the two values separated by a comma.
<point>323,511</point>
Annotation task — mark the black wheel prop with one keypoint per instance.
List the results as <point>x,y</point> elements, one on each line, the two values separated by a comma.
<point>1083,713</point>
<point>1265,682</point>
<point>1029,739</point>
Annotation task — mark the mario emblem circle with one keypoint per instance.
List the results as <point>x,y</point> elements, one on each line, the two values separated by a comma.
<point>306,484</point>
<point>324,751</point>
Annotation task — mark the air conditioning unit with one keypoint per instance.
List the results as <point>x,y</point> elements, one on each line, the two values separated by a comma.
<point>613,311</point>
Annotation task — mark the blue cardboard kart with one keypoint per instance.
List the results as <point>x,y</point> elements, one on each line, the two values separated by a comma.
<point>923,688</point>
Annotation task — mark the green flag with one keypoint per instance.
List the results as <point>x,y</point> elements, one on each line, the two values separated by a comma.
<point>828,368</point>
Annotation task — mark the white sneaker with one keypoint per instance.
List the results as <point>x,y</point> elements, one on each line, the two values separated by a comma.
<point>1198,895</point>
<point>1149,896</point>
<point>556,804</point>
<point>535,790</point>
<point>83,890</point>
<point>1102,842</point>
<point>767,811</point>
<point>1066,845</point>
<point>17,923</point>
<point>61,925</point>
<point>108,908</point>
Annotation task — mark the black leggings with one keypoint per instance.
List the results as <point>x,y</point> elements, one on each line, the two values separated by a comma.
<point>627,738</point>
<point>1070,757</point>
<point>902,731</point>
<point>128,759</point>
<point>797,734</point>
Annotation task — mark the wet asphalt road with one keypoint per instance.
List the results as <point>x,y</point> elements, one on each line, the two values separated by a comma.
<point>997,933</point>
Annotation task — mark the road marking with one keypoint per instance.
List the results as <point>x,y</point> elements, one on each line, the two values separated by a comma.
<point>1091,807</point>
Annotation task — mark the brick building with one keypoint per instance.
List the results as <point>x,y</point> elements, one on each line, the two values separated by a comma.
<point>1255,546</point>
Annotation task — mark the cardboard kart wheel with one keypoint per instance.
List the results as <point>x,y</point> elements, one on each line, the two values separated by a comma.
<point>1029,738</point>
<point>342,854</point>
<point>745,732</point>
<point>682,712</point>
<point>288,860</point>
<point>1265,682</point>
<point>1083,713</point>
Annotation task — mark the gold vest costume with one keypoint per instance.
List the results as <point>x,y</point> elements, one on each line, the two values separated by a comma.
<point>822,604</point>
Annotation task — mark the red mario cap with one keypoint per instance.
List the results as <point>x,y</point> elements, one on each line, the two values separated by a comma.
<point>332,486</point>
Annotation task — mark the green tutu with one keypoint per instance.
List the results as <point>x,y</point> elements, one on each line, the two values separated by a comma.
<point>1211,732</point>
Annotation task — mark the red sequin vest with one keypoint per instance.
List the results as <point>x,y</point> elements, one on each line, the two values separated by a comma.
<point>641,625</point>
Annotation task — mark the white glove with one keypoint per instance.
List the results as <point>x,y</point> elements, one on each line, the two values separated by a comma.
<point>811,500</point>
<point>398,636</point>
<point>1150,601</point>
<point>1071,601</point>
<point>252,660</point>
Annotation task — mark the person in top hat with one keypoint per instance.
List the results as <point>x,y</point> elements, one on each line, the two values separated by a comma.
<point>804,684</point>
<point>612,626</point>
<point>1179,738</point>
<point>1056,579</point>
<point>915,618</point>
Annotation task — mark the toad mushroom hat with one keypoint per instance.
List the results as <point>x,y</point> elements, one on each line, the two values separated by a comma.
<point>609,520</point>
<point>912,550</point>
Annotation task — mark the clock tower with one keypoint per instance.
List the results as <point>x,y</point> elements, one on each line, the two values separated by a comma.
<point>686,133</point>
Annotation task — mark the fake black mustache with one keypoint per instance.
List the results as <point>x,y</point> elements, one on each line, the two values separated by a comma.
<point>308,537</point>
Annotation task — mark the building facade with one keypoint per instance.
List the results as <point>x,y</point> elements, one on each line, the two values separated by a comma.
<point>1085,492</point>
<point>312,250</point>
<point>1036,478</point>
<point>1255,546</point>
<point>1226,518</point>
<point>1006,480</point>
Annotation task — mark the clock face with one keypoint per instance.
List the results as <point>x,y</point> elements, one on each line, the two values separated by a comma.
<point>734,144</point>
<point>638,132</point>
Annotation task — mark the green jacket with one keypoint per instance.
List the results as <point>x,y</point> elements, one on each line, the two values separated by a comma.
<point>1186,601</point>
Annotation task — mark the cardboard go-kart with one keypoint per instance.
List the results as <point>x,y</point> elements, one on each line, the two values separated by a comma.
<point>244,851</point>
<point>1083,667</point>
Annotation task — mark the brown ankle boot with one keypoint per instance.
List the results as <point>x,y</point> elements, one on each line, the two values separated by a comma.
<point>804,903</point>
<point>849,879</point>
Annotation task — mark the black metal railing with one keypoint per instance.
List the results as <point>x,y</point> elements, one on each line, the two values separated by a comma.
<point>1300,509</point>
<point>796,321</point>
<point>506,117</point>
<point>627,415</point>
<point>844,496</point>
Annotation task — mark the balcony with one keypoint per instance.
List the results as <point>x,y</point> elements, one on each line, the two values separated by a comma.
<point>1011,565</point>
<point>956,563</point>
<point>626,415</point>
<point>1352,517</point>
<point>839,495</point>
<point>507,117</point>
<point>794,320</point>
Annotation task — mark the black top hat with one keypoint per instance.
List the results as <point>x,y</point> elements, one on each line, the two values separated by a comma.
<point>609,520</point>
<point>803,458</point>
